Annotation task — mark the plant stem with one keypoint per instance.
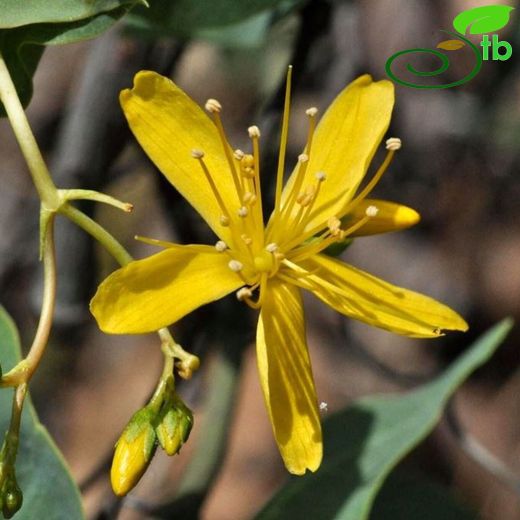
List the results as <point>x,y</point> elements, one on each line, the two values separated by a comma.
<point>98,232</point>
<point>23,372</point>
<point>16,114</point>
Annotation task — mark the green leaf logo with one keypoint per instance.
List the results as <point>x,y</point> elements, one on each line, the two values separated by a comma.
<point>484,19</point>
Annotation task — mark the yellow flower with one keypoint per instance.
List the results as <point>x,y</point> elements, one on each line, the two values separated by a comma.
<point>321,204</point>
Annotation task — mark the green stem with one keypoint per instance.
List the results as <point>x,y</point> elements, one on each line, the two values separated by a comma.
<point>98,232</point>
<point>23,372</point>
<point>16,114</point>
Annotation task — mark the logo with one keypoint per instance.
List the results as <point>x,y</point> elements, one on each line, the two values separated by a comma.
<point>479,20</point>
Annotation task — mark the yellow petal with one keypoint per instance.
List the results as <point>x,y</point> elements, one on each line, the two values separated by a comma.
<point>364,297</point>
<point>345,141</point>
<point>286,377</point>
<point>169,125</point>
<point>149,294</point>
<point>390,217</point>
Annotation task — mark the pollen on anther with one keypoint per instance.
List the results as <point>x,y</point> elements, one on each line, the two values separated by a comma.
<point>197,154</point>
<point>249,198</point>
<point>321,176</point>
<point>235,266</point>
<point>221,246</point>
<point>247,239</point>
<point>393,144</point>
<point>213,106</point>
<point>272,247</point>
<point>371,211</point>
<point>238,154</point>
<point>253,131</point>
<point>243,293</point>
<point>224,220</point>
<point>243,212</point>
<point>303,157</point>
<point>311,112</point>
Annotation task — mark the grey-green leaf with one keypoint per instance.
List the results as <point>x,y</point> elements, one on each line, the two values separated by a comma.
<point>48,489</point>
<point>484,19</point>
<point>16,13</point>
<point>412,497</point>
<point>22,47</point>
<point>365,442</point>
<point>186,18</point>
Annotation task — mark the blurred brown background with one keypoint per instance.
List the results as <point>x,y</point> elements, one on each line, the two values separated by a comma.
<point>458,167</point>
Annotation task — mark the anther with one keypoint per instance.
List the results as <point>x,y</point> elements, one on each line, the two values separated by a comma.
<point>243,212</point>
<point>224,220</point>
<point>249,198</point>
<point>221,246</point>
<point>334,224</point>
<point>248,172</point>
<point>278,256</point>
<point>303,158</point>
<point>197,154</point>
<point>248,160</point>
<point>238,154</point>
<point>393,144</point>
<point>272,247</point>
<point>244,293</point>
<point>320,176</point>
<point>235,266</point>
<point>311,112</point>
<point>371,211</point>
<point>213,106</point>
<point>253,131</point>
<point>247,239</point>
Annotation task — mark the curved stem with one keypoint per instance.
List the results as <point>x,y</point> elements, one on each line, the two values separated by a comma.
<point>16,114</point>
<point>23,372</point>
<point>89,225</point>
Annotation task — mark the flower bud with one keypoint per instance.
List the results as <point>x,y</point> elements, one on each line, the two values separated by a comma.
<point>174,429</point>
<point>134,451</point>
<point>11,496</point>
<point>12,499</point>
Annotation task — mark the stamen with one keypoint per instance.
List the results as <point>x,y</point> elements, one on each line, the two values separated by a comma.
<point>247,239</point>
<point>272,247</point>
<point>283,142</point>
<point>376,178</point>
<point>238,154</point>
<point>303,157</point>
<point>311,112</point>
<point>249,198</point>
<point>243,293</point>
<point>243,212</point>
<point>213,106</point>
<point>258,215</point>
<point>393,144</point>
<point>320,176</point>
<point>253,131</point>
<point>235,266</point>
<point>371,211</point>
<point>334,225</point>
<point>199,154</point>
<point>221,246</point>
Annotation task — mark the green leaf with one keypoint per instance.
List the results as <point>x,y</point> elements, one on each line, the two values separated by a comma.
<point>484,19</point>
<point>185,18</point>
<point>365,442</point>
<point>22,47</point>
<point>409,497</point>
<point>54,11</point>
<point>48,489</point>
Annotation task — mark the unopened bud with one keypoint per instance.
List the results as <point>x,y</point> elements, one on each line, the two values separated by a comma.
<point>175,427</point>
<point>12,500</point>
<point>134,451</point>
